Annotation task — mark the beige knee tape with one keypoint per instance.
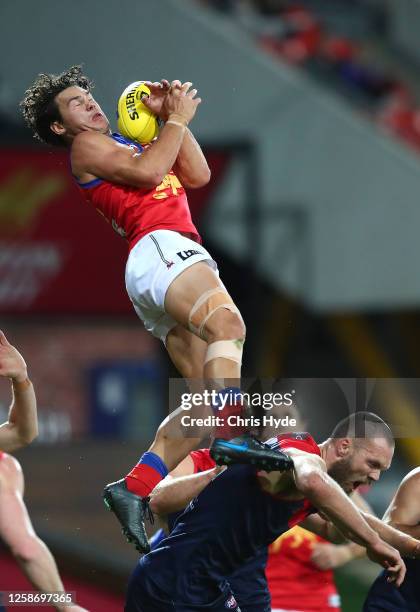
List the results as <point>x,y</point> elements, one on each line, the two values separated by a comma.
<point>206,305</point>
<point>227,349</point>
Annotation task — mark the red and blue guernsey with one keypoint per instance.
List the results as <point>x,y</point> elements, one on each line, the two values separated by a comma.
<point>135,212</point>
<point>226,526</point>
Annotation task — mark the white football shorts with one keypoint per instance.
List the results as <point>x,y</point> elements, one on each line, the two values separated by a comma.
<point>153,263</point>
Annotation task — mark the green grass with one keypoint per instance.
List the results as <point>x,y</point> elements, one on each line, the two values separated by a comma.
<point>353,592</point>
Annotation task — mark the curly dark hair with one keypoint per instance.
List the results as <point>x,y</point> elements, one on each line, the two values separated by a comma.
<point>39,107</point>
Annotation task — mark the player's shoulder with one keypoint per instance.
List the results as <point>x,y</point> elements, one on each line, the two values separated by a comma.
<point>412,480</point>
<point>90,139</point>
<point>87,147</point>
<point>299,440</point>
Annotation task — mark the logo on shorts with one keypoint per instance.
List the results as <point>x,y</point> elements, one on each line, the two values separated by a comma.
<point>231,603</point>
<point>186,254</point>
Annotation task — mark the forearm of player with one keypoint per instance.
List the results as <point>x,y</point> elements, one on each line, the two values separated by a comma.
<point>330,556</point>
<point>173,494</point>
<point>17,533</point>
<point>22,425</point>
<point>157,160</point>
<point>330,499</point>
<point>191,166</point>
<point>41,570</point>
<point>355,551</point>
<point>405,543</point>
<point>349,550</point>
<point>411,530</point>
<point>38,565</point>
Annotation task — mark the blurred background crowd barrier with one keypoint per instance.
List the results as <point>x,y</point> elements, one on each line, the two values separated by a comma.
<point>310,122</point>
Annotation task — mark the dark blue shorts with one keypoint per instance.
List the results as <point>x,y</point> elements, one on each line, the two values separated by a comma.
<point>385,597</point>
<point>145,596</point>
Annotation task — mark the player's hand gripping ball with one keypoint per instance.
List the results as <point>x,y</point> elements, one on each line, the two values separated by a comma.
<point>135,120</point>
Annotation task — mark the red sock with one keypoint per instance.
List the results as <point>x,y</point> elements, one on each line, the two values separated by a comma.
<point>142,479</point>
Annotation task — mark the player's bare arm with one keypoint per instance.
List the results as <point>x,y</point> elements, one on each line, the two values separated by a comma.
<point>404,510</point>
<point>181,486</point>
<point>190,166</point>
<point>327,555</point>
<point>309,479</point>
<point>407,545</point>
<point>312,482</point>
<point>94,154</point>
<point>16,531</point>
<point>389,531</point>
<point>22,424</point>
<point>174,494</point>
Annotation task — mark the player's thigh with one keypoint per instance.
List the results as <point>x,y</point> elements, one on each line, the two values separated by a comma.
<point>187,352</point>
<point>187,288</point>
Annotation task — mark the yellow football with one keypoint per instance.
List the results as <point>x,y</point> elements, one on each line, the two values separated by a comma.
<point>135,120</point>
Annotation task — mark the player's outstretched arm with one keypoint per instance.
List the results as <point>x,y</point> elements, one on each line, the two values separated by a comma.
<point>326,555</point>
<point>404,543</point>
<point>324,493</point>
<point>22,424</point>
<point>32,555</point>
<point>181,485</point>
<point>328,497</point>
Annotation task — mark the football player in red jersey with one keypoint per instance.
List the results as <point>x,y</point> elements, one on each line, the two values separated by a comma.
<point>171,279</point>
<point>300,573</point>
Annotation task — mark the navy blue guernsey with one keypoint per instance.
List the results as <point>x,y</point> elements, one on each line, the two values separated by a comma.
<point>248,582</point>
<point>384,596</point>
<point>228,525</point>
